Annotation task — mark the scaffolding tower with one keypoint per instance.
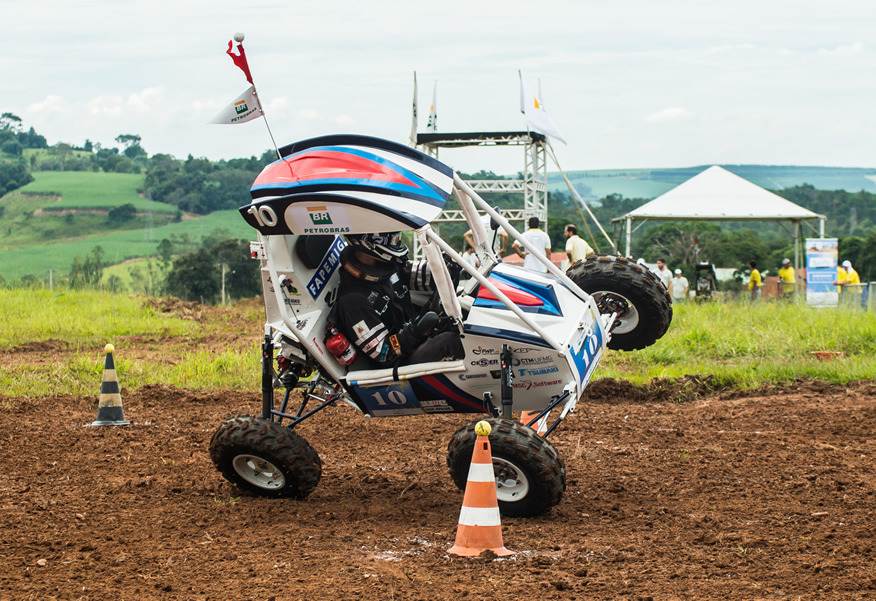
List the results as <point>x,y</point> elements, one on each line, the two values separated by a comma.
<point>533,186</point>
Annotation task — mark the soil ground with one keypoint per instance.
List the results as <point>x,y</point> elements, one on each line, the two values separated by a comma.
<point>672,494</point>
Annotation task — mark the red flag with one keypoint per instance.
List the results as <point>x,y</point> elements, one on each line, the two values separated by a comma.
<point>240,60</point>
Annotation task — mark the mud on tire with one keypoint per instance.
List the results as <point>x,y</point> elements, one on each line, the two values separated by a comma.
<point>643,303</point>
<point>265,458</point>
<point>530,476</point>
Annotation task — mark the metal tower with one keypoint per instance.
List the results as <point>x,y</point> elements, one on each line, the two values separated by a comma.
<point>533,186</point>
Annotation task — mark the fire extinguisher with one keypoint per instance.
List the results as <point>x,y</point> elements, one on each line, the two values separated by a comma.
<point>339,346</point>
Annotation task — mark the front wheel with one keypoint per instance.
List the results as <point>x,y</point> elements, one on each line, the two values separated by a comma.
<point>633,291</point>
<point>530,476</point>
<point>265,458</point>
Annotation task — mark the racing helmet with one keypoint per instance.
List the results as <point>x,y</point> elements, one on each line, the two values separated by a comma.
<point>387,246</point>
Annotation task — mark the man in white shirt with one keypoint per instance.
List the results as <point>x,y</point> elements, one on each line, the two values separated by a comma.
<point>540,240</point>
<point>663,272</point>
<point>576,248</point>
<point>679,287</point>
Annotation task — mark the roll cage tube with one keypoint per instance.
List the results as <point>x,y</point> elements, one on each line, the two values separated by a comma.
<point>496,292</point>
<point>457,181</point>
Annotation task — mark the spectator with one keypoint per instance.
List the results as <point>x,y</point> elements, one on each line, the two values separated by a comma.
<point>540,240</point>
<point>663,272</point>
<point>576,248</point>
<point>491,235</point>
<point>471,258</point>
<point>849,281</point>
<point>678,287</point>
<point>788,279</point>
<point>755,282</point>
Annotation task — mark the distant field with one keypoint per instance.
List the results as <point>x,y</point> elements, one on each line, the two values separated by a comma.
<point>118,246</point>
<point>92,190</point>
<point>650,183</point>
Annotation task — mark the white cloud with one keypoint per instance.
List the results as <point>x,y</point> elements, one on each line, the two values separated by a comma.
<point>52,104</point>
<point>841,51</point>
<point>145,101</point>
<point>344,120</point>
<point>673,113</point>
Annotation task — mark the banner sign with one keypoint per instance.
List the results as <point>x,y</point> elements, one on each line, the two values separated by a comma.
<point>822,258</point>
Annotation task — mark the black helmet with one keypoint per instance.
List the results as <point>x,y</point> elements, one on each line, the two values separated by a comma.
<point>387,246</point>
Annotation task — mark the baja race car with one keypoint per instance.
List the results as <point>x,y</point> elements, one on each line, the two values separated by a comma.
<point>532,340</point>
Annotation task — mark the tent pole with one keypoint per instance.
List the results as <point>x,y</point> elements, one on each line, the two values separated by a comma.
<point>797,234</point>
<point>629,234</point>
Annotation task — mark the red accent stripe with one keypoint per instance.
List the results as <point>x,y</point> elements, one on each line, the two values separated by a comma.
<point>328,164</point>
<point>516,296</point>
<point>448,393</point>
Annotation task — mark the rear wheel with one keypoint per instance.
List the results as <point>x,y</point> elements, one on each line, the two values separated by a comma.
<point>530,476</point>
<point>631,290</point>
<point>264,458</point>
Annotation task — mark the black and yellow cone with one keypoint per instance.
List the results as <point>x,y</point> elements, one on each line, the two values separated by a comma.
<point>109,410</point>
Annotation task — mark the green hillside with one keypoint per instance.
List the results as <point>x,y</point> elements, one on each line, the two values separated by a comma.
<point>117,246</point>
<point>90,190</point>
<point>650,183</point>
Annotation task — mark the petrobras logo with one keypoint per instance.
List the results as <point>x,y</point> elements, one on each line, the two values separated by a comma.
<point>464,377</point>
<point>528,384</point>
<point>541,371</point>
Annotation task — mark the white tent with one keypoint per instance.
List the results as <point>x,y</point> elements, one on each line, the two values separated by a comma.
<point>718,195</point>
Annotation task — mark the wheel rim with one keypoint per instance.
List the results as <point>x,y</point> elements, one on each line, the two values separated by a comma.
<point>627,315</point>
<point>259,472</point>
<point>511,483</point>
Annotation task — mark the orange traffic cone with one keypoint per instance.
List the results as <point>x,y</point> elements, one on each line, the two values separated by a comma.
<point>480,526</point>
<point>540,426</point>
<point>109,409</point>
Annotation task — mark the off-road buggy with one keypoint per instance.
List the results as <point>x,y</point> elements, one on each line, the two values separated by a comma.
<point>532,340</point>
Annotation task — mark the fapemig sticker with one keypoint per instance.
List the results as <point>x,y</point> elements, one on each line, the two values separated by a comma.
<point>326,268</point>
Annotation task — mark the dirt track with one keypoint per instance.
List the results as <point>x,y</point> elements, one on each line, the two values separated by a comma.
<point>765,496</point>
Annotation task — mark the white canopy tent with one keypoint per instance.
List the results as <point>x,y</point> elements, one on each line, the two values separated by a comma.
<point>719,195</point>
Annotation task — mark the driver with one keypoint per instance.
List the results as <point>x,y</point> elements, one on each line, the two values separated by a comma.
<point>374,307</point>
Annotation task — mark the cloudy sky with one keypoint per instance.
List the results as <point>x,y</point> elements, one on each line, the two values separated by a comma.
<point>629,83</point>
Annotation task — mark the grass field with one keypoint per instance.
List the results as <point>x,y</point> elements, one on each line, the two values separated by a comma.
<point>117,246</point>
<point>92,190</point>
<point>734,345</point>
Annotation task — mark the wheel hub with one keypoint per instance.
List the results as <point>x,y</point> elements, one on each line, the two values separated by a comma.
<point>511,483</point>
<point>259,472</point>
<point>627,315</point>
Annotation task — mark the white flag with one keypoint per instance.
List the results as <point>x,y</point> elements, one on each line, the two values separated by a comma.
<point>533,111</point>
<point>245,107</point>
<point>414,114</point>
<point>432,125</point>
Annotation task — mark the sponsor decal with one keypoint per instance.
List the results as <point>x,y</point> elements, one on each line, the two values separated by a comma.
<point>464,377</point>
<point>484,362</point>
<point>319,348</point>
<point>528,384</point>
<point>292,301</point>
<point>240,107</point>
<point>360,328</point>
<point>533,360</point>
<point>484,351</point>
<point>326,268</point>
<point>437,406</point>
<point>318,219</point>
<point>302,324</point>
<point>538,371</point>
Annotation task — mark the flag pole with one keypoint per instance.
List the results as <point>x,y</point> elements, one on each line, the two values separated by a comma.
<point>241,62</point>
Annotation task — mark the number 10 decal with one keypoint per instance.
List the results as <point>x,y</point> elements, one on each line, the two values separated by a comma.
<point>264,215</point>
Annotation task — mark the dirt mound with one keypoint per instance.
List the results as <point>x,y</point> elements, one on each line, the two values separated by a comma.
<point>758,495</point>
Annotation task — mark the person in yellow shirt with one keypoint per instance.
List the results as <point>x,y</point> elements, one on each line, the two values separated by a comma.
<point>755,281</point>
<point>846,276</point>
<point>788,279</point>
